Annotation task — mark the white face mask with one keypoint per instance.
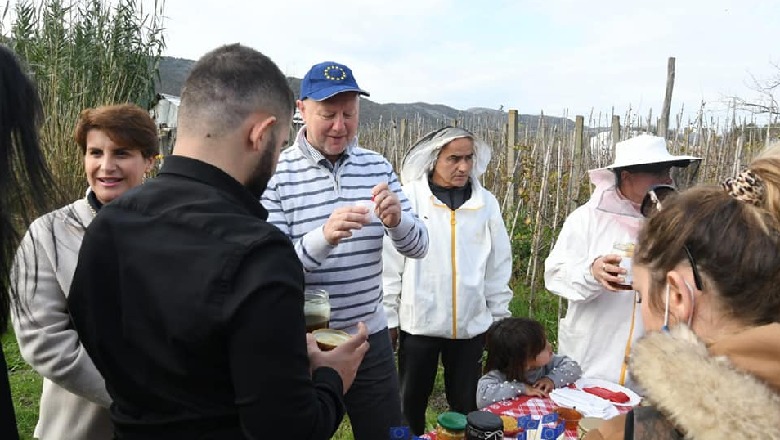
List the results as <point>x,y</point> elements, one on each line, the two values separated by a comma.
<point>666,307</point>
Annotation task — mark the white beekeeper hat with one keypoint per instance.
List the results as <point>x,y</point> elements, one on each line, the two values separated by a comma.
<point>646,150</point>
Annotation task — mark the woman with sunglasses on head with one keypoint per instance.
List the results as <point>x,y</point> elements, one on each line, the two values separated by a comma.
<point>706,270</point>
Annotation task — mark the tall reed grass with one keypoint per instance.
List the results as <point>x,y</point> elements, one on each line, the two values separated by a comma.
<point>84,53</point>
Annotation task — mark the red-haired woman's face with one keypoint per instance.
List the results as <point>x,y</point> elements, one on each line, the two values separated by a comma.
<point>112,169</point>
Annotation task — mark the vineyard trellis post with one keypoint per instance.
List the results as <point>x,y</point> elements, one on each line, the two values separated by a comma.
<point>663,124</point>
<point>615,130</point>
<point>511,142</point>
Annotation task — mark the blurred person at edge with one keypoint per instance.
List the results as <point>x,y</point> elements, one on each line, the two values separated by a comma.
<point>22,171</point>
<point>442,304</point>
<point>119,144</point>
<point>707,267</point>
<point>602,320</point>
<point>313,198</point>
<point>188,301</point>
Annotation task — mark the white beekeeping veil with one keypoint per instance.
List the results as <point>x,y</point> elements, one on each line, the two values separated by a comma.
<point>421,157</point>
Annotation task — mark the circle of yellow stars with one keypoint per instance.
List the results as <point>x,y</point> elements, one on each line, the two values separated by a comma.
<point>338,75</point>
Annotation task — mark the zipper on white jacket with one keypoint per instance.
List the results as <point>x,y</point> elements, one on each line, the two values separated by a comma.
<point>454,276</point>
<point>624,367</point>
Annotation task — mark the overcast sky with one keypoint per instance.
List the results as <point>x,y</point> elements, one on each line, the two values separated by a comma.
<point>558,56</point>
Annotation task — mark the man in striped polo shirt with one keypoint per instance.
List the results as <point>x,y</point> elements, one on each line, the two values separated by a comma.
<point>314,197</point>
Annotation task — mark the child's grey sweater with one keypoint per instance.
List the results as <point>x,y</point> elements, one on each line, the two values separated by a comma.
<point>493,387</point>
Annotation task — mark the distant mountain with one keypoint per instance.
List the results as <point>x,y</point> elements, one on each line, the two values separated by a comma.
<point>173,72</point>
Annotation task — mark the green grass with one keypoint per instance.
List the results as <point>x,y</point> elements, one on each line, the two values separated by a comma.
<point>26,383</point>
<point>25,387</point>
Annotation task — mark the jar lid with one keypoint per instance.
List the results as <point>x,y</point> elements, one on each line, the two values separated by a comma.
<point>485,421</point>
<point>452,420</point>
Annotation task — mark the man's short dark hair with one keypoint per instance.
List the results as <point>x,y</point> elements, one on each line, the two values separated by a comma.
<point>231,82</point>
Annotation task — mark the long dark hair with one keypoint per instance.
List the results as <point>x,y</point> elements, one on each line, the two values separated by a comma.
<point>511,343</point>
<point>25,180</point>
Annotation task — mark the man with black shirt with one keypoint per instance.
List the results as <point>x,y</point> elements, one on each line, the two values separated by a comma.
<point>445,302</point>
<point>189,303</point>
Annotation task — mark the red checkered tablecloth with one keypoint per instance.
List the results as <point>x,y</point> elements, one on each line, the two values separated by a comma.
<point>536,407</point>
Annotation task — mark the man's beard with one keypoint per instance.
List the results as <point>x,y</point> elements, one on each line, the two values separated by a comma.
<point>258,181</point>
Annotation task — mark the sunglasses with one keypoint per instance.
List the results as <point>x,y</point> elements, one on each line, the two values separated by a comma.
<point>653,200</point>
<point>652,203</point>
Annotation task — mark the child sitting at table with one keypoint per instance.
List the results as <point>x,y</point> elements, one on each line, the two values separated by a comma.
<point>520,361</point>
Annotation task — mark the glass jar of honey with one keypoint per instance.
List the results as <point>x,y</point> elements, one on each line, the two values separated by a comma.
<point>451,426</point>
<point>626,252</point>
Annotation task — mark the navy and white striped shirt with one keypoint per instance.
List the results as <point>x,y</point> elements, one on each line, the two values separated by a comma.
<point>301,196</point>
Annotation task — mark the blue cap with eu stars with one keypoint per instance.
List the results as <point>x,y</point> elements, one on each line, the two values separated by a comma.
<point>328,79</point>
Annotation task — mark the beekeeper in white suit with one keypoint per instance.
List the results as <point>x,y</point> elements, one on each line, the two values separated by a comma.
<point>603,319</point>
<point>442,305</point>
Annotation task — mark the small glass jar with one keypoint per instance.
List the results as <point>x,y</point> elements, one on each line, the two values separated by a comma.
<point>316,309</point>
<point>451,426</point>
<point>482,425</point>
<point>626,252</point>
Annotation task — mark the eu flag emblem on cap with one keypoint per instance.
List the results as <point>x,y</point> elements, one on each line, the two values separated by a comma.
<point>328,79</point>
<point>334,72</point>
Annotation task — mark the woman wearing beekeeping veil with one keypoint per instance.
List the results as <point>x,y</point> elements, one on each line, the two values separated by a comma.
<point>443,304</point>
<point>588,264</point>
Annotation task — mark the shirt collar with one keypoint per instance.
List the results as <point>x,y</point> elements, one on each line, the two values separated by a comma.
<point>209,174</point>
<point>314,153</point>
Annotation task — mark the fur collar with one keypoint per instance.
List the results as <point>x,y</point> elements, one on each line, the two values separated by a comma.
<point>704,395</point>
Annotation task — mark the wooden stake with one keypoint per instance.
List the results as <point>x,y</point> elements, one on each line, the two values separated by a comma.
<point>664,124</point>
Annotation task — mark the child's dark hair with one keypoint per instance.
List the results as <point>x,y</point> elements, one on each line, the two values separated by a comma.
<point>511,343</point>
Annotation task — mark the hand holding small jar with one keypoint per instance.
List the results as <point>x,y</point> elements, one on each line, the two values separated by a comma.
<point>613,271</point>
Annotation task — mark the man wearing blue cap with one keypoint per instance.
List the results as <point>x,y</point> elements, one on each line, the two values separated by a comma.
<point>315,198</point>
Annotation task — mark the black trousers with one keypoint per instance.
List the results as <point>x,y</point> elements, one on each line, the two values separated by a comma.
<point>373,402</point>
<point>418,361</point>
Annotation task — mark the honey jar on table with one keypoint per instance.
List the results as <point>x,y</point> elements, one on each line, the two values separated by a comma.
<point>451,426</point>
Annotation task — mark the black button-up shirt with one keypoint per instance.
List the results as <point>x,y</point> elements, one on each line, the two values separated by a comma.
<point>191,307</point>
